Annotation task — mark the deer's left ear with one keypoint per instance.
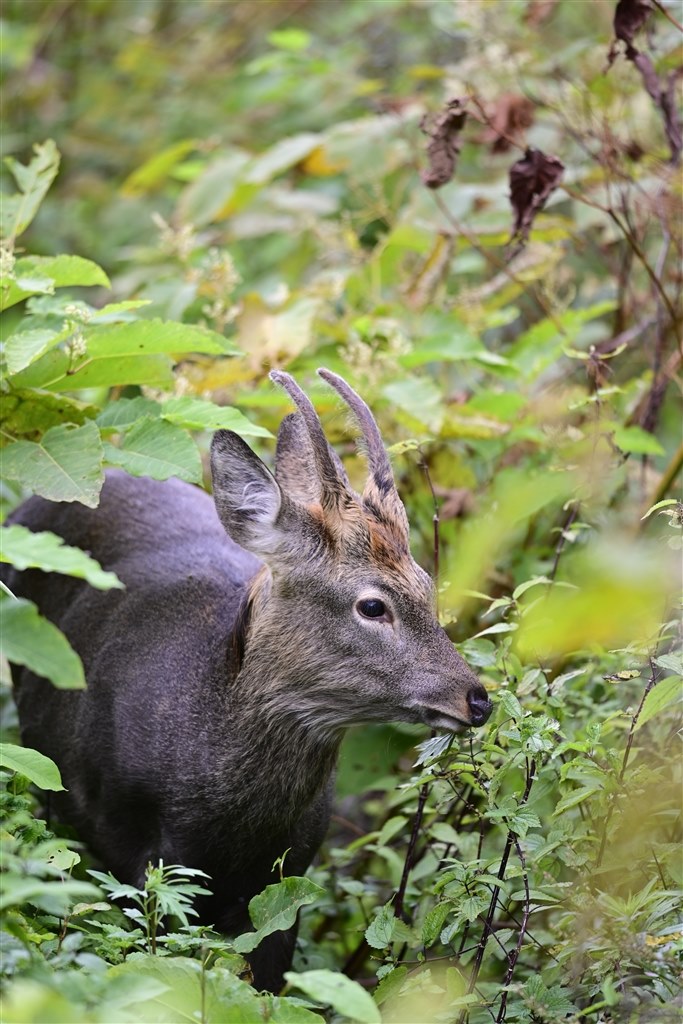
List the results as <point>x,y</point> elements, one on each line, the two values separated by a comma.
<point>246,494</point>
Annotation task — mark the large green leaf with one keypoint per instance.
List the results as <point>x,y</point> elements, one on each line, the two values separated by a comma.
<point>29,639</point>
<point>637,440</point>
<point>62,271</point>
<point>281,156</point>
<point>197,414</point>
<point>66,465</point>
<point>55,371</point>
<point>29,412</point>
<point>47,551</point>
<point>153,172</point>
<point>154,337</point>
<point>41,770</point>
<point>17,211</point>
<point>276,908</point>
<point>124,412</point>
<point>668,691</point>
<point>24,347</point>
<point>157,449</point>
<point>345,996</point>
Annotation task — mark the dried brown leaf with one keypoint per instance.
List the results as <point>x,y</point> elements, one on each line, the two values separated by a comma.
<point>444,143</point>
<point>629,18</point>
<point>511,116</point>
<point>532,179</point>
<point>538,11</point>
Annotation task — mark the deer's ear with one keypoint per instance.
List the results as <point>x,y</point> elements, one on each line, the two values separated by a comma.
<point>246,494</point>
<point>295,466</point>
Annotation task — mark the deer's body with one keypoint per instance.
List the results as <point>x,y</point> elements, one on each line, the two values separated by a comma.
<point>220,681</point>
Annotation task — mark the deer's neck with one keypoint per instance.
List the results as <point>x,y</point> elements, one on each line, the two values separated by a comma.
<point>282,748</point>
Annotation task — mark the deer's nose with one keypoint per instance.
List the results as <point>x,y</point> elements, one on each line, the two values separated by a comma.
<point>479,704</point>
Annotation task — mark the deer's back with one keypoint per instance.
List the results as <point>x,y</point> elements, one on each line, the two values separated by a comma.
<point>155,656</point>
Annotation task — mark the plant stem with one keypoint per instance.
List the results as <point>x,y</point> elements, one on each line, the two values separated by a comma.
<point>410,852</point>
<point>624,764</point>
<point>514,956</point>
<point>488,923</point>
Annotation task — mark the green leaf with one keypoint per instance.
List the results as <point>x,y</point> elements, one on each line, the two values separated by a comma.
<point>30,413</point>
<point>472,906</point>
<point>157,449</point>
<point>660,504</point>
<point>390,985</point>
<point>420,398</point>
<point>294,39</point>
<point>54,370</point>
<point>197,414</point>
<point>34,180</point>
<point>155,170</point>
<point>668,691</point>
<point>47,551</point>
<point>155,337</point>
<point>345,996</point>
<point>41,770</point>
<point>637,441</point>
<point>379,932</point>
<point>528,584</point>
<point>510,704</point>
<point>672,662</point>
<point>124,412</point>
<point>15,289</point>
<point>66,465</point>
<point>29,639</point>
<point>434,922</point>
<point>25,347</point>
<point>522,820</point>
<point>275,909</point>
<point>281,156</point>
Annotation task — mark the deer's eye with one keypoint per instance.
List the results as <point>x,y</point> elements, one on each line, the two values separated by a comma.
<point>371,608</point>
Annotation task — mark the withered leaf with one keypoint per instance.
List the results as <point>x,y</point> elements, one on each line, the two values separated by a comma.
<point>538,11</point>
<point>444,143</point>
<point>511,115</point>
<point>629,18</point>
<point>532,179</point>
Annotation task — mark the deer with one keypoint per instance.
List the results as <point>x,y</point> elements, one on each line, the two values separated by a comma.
<point>253,630</point>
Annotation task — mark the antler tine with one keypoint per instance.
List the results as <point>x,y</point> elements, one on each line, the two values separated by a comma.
<point>329,476</point>
<point>380,466</point>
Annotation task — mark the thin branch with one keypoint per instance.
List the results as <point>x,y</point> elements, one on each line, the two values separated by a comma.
<point>488,924</point>
<point>668,477</point>
<point>514,956</point>
<point>624,763</point>
<point>410,852</point>
<point>562,540</point>
<point>497,264</point>
<point>662,10</point>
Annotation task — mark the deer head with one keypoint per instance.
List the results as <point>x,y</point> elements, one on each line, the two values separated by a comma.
<point>344,627</point>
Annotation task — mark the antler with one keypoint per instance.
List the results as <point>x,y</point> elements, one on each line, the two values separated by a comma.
<point>331,483</point>
<point>378,460</point>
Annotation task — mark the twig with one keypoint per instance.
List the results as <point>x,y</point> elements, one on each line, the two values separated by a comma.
<point>497,264</point>
<point>624,763</point>
<point>436,523</point>
<point>514,956</point>
<point>669,475</point>
<point>662,10</point>
<point>570,519</point>
<point>410,852</point>
<point>488,924</point>
<point>632,241</point>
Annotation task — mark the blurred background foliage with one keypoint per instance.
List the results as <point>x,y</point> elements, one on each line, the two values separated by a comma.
<point>254,172</point>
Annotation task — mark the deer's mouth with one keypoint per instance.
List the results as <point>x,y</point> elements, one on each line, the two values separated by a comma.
<point>437,719</point>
